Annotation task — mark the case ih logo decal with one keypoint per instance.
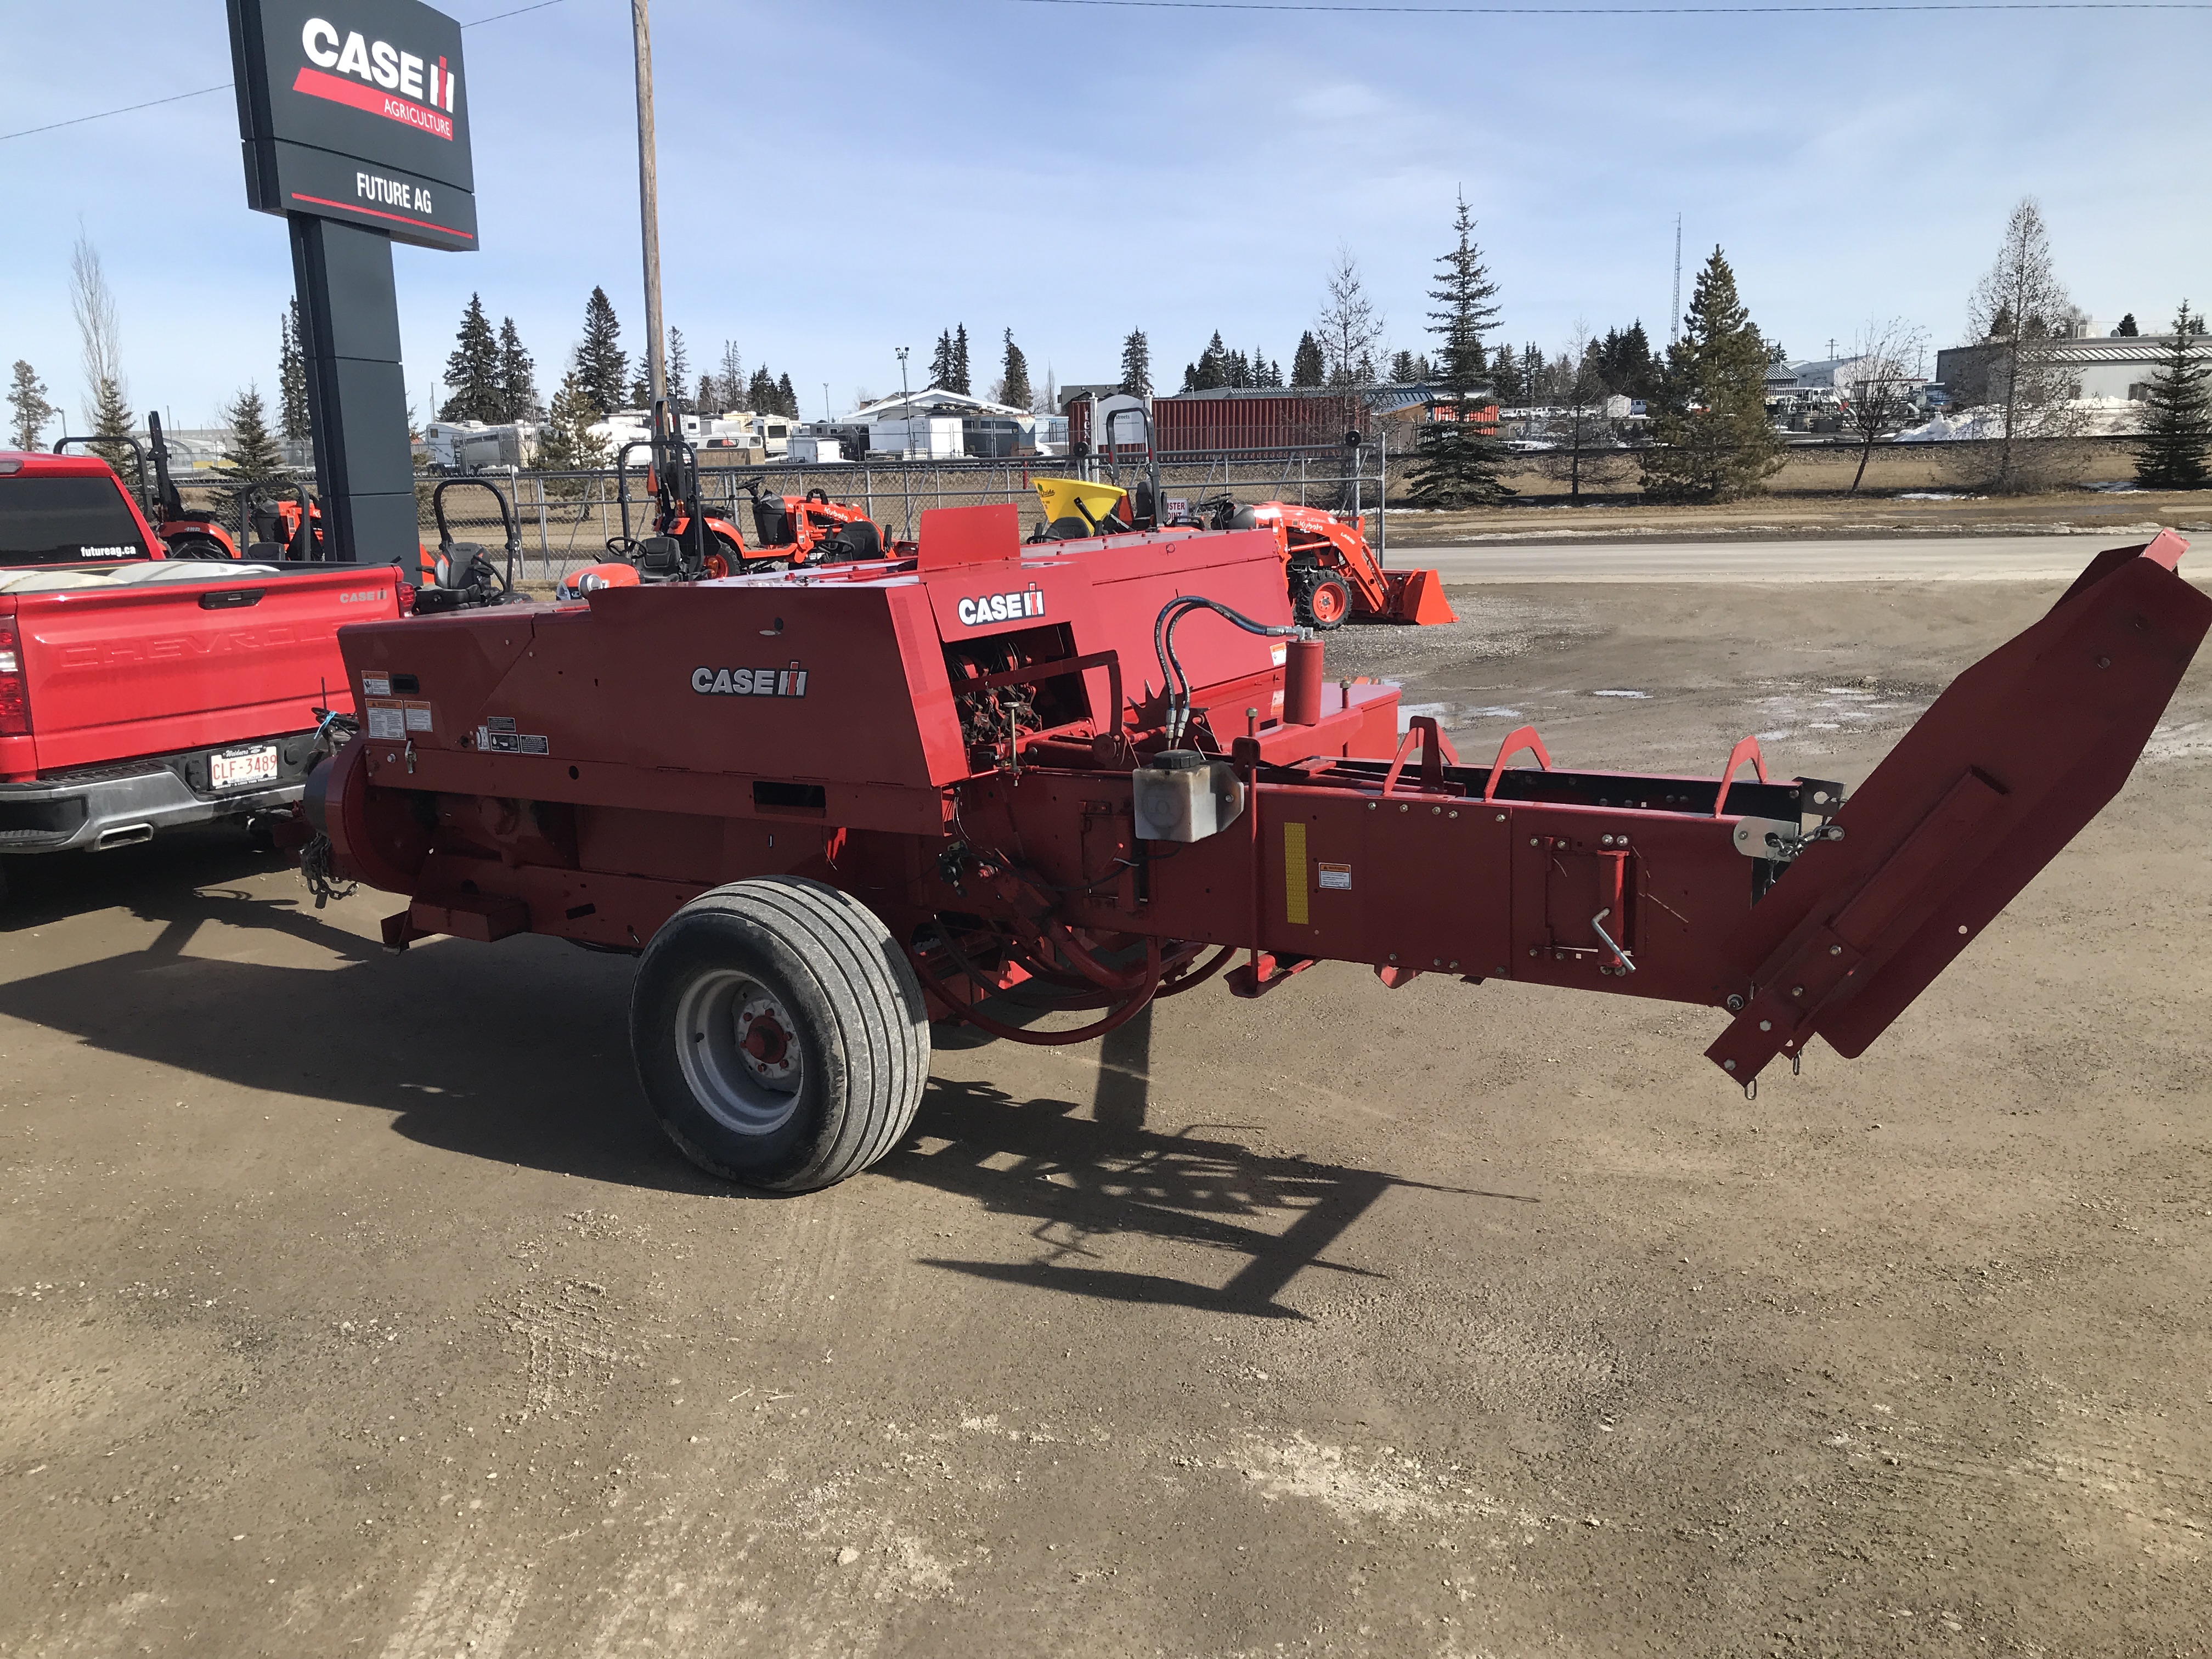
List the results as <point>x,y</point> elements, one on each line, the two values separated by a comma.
<point>1002,607</point>
<point>426,89</point>
<point>787,682</point>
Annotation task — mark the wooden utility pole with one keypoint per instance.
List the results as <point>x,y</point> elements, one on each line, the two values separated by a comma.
<point>649,202</point>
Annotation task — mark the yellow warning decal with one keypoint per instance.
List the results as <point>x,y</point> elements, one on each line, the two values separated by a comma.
<point>1294,873</point>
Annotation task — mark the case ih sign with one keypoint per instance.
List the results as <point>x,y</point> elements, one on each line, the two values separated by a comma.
<point>356,110</point>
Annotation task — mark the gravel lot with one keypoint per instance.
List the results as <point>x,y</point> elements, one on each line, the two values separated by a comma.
<point>350,1303</point>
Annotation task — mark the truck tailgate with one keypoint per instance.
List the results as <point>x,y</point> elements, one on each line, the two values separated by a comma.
<point>164,661</point>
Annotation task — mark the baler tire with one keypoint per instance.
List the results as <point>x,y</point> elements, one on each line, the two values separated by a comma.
<point>854,1007</point>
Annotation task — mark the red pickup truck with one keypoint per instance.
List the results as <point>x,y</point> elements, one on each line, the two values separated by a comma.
<point>139,692</point>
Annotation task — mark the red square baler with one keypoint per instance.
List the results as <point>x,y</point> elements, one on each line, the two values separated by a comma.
<point>1035,786</point>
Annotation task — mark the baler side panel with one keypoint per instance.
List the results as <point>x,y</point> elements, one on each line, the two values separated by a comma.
<point>1239,569</point>
<point>608,708</point>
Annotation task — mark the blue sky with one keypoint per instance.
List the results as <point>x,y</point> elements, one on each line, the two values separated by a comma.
<point>841,177</point>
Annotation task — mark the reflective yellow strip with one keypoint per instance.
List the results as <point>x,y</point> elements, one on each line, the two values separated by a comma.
<point>1294,873</point>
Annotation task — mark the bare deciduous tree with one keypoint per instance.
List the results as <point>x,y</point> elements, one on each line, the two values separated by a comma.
<point>107,408</point>
<point>2021,311</point>
<point>101,336</point>
<point>1349,327</point>
<point>1584,448</point>
<point>1878,400</point>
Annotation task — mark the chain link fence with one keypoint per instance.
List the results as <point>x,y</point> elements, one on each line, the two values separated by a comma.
<point>566,519</point>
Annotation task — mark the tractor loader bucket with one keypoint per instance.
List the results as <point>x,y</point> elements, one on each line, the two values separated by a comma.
<point>1418,597</point>
<point>2021,751</point>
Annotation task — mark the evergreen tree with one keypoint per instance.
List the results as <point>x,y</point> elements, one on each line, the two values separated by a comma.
<point>2127,330</point>
<point>641,384</point>
<point>472,371</point>
<point>1137,365</point>
<point>1401,368</point>
<point>708,397</point>
<point>111,426</point>
<point>679,370</point>
<point>601,366</point>
<point>960,382</point>
<point>1624,362</point>
<point>1457,461</point>
<point>787,400</point>
<point>1306,366</point>
<point>2177,424</point>
<point>567,444</point>
<point>518,375</point>
<point>760,393</point>
<point>1014,376</point>
<point>1266,373</point>
<point>940,362</point>
<point>29,411</point>
<point>292,376</point>
<point>252,453</point>
<point>1712,439</point>
<point>1239,372</point>
<point>1506,377</point>
<point>1211,368</point>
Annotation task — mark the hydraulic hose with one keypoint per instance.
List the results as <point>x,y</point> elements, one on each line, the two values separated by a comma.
<point>1173,682</point>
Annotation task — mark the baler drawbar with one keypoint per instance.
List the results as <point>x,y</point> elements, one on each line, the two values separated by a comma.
<point>1003,783</point>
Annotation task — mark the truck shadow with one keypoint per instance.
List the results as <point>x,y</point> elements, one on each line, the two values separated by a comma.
<point>523,1059</point>
<point>50,886</point>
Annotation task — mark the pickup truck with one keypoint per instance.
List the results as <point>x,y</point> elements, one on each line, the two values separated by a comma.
<point>139,692</point>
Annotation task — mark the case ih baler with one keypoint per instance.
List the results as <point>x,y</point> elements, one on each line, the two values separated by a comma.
<point>829,807</point>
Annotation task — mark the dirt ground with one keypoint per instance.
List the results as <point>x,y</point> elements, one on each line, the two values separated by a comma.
<point>352,1304</point>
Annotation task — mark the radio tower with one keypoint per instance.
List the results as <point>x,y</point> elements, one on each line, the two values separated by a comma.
<point>1674,311</point>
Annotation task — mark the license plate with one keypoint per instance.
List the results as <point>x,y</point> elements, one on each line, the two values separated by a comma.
<point>238,766</point>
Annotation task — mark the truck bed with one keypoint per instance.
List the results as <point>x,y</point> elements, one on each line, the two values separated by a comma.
<point>171,656</point>
<point>139,696</point>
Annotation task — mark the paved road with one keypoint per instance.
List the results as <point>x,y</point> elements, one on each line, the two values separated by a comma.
<point>1932,558</point>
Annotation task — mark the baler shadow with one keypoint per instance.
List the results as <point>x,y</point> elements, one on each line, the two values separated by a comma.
<point>1086,1179</point>
<point>525,1060</point>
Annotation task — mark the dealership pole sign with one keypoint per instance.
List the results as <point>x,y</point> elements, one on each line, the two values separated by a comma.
<point>357,110</point>
<point>354,119</point>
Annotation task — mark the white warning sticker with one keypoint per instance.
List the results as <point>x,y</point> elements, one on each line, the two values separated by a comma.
<point>1337,876</point>
<point>376,685</point>
<point>494,741</point>
<point>396,720</point>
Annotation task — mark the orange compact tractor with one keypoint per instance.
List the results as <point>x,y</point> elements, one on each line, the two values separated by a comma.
<point>688,543</point>
<point>1332,574</point>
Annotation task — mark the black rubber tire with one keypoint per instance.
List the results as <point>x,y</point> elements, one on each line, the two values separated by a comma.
<point>855,1011</point>
<point>1331,615</point>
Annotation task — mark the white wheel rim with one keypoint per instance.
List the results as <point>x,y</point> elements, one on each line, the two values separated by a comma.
<point>739,1049</point>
